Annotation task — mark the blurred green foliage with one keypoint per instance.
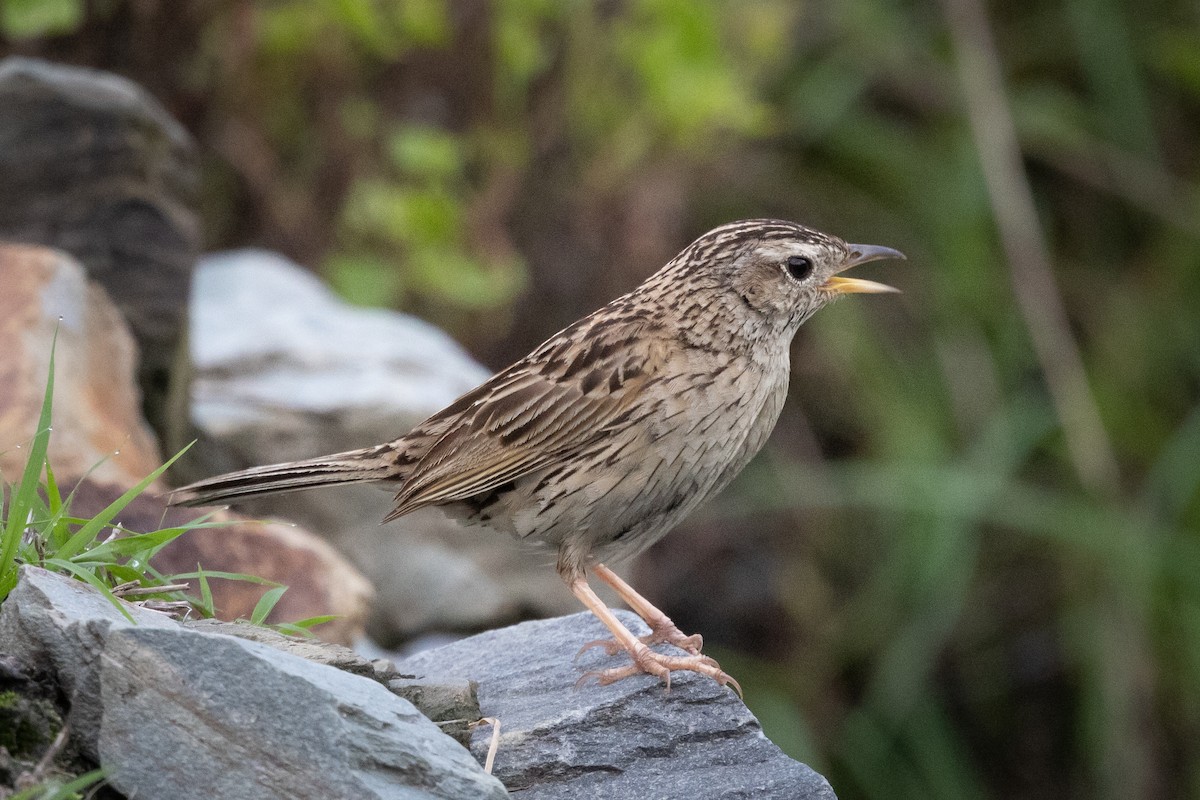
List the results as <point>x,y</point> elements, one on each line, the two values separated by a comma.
<point>416,209</point>
<point>948,609</point>
<point>23,19</point>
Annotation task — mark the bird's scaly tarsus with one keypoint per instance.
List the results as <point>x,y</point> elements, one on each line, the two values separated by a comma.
<point>645,660</point>
<point>662,629</point>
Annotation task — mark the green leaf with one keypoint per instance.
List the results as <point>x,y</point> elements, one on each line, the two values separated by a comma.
<point>144,544</point>
<point>427,152</point>
<point>91,529</point>
<point>364,280</point>
<point>67,791</point>
<point>450,275</point>
<point>22,499</point>
<point>1174,477</point>
<point>266,604</point>
<point>229,576</point>
<point>57,528</point>
<point>312,622</point>
<point>303,627</point>
<point>119,573</point>
<point>206,598</point>
<point>53,498</point>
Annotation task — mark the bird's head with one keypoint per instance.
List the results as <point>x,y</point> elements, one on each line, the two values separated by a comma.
<point>783,270</point>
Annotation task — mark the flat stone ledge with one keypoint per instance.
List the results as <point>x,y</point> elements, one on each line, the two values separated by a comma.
<point>632,739</point>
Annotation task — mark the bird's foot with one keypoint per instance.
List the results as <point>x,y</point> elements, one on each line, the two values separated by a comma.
<point>663,633</point>
<point>648,662</point>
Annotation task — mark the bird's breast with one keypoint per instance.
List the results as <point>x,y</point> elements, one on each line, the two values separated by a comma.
<point>687,436</point>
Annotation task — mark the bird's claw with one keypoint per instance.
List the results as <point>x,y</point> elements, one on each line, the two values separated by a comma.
<point>665,634</point>
<point>611,647</point>
<point>648,662</point>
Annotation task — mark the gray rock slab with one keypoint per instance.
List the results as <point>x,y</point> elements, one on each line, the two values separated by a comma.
<point>175,713</point>
<point>631,740</point>
<point>315,650</point>
<point>61,625</point>
<point>451,703</point>
<point>244,720</point>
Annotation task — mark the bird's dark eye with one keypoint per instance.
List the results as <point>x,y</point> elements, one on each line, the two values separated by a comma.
<point>799,267</point>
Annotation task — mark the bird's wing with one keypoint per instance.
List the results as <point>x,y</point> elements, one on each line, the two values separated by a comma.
<point>532,415</point>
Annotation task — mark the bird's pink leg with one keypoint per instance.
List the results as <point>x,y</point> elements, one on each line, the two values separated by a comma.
<point>662,629</point>
<point>645,660</point>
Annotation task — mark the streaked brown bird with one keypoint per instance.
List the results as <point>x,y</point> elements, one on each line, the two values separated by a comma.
<point>608,434</point>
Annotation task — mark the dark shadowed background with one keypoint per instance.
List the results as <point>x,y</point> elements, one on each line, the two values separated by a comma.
<point>968,562</point>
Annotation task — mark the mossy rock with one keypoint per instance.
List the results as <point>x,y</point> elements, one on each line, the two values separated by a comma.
<point>27,724</point>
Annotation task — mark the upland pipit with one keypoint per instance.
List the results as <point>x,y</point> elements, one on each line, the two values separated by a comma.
<point>603,438</point>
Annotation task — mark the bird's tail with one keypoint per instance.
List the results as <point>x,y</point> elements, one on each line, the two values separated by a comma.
<point>353,466</point>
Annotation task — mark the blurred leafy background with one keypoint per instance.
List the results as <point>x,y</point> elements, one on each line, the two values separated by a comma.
<point>968,564</point>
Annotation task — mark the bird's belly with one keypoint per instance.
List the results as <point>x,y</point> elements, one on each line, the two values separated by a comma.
<point>632,485</point>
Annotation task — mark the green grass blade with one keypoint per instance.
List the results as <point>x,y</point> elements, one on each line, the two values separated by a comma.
<point>57,528</point>
<point>66,791</point>
<point>229,576</point>
<point>205,603</point>
<point>312,622</point>
<point>119,573</point>
<point>266,604</point>
<point>22,497</point>
<point>206,598</point>
<point>126,546</point>
<point>91,529</point>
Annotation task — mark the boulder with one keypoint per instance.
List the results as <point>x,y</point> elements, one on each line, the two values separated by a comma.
<point>291,370</point>
<point>174,712</point>
<point>632,739</point>
<point>98,426</point>
<point>93,165</point>
<point>337,735</point>
<point>285,370</point>
<point>452,703</point>
<point>59,625</point>
<point>101,446</point>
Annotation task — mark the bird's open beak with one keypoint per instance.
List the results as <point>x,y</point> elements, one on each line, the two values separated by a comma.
<point>861,254</point>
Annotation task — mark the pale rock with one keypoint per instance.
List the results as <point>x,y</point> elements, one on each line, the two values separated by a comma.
<point>97,407</point>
